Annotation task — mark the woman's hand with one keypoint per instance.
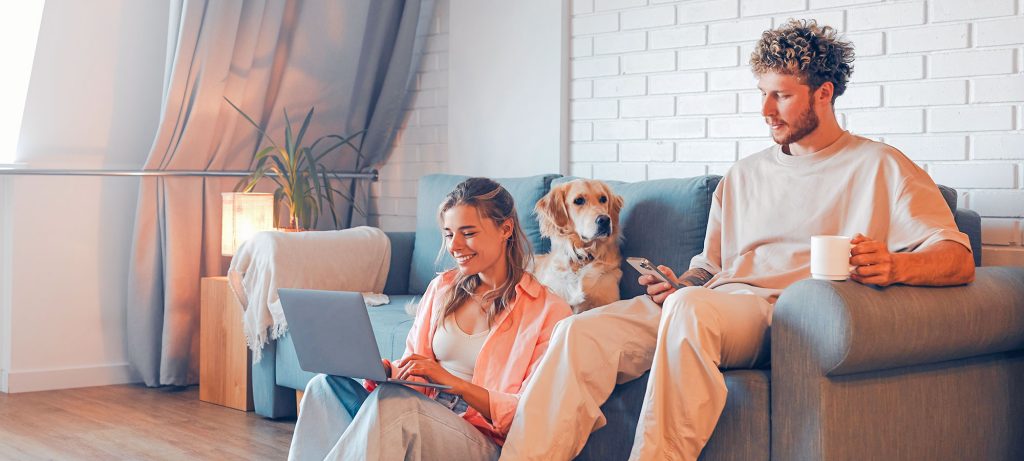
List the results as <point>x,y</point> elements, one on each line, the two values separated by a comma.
<point>420,366</point>
<point>426,368</point>
<point>371,384</point>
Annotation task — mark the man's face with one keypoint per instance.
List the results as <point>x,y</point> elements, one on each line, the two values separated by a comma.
<point>787,106</point>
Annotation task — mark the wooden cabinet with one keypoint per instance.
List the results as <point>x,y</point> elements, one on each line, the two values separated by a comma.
<point>224,371</point>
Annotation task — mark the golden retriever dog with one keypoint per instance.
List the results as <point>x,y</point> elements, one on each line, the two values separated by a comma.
<point>581,218</point>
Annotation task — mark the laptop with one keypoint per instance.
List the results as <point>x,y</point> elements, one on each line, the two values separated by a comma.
<point>332,334</point>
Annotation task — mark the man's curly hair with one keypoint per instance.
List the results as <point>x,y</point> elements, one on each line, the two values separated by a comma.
<point>800,47</point>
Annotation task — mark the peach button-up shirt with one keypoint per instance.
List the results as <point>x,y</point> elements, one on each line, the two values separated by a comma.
<point>510,353</point>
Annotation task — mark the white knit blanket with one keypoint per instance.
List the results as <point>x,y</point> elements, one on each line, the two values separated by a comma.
<point>354,259</point>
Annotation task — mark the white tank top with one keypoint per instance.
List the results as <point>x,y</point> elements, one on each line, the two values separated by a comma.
<point>457,350</point>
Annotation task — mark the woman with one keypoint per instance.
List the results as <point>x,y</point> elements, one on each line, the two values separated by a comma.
<point>481,329</point>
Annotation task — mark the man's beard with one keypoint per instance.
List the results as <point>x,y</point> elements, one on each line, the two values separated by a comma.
<point>805,125</point>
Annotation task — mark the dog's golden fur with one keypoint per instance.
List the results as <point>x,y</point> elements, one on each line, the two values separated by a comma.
<point>583,266</point>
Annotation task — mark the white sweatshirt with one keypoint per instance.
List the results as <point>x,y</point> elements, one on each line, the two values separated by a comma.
<point>767,207</point>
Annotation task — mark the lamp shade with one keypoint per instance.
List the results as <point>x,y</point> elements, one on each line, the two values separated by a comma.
<point>244,214</point>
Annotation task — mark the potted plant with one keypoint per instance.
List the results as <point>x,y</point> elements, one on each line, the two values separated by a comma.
<point>303,182</point>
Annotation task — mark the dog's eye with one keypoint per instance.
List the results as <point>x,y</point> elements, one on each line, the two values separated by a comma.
<point>579,201</point>
<point>603,199</point>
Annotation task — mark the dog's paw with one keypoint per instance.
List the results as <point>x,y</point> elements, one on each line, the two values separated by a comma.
<point>582,254</point>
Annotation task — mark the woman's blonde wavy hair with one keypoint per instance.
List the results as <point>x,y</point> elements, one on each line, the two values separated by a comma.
<point>813,53</point>
<point>492,202</point>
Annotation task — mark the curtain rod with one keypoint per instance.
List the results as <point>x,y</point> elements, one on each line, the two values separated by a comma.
<point>372,175</point>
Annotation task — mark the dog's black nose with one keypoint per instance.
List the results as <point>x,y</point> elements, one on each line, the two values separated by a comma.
<point>604,225</point>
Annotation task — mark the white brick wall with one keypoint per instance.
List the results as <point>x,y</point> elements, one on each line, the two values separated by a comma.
<point>662,89</point>
<point>421,147</point>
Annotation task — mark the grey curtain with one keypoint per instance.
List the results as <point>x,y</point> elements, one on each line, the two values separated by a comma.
<point>353,60</point>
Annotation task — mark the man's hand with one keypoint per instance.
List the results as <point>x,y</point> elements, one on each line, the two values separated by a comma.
<point>873,263</point>
<point>659,290</point>
<point>942,263</point>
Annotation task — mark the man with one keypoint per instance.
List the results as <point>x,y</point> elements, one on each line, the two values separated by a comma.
<point>819,179</point>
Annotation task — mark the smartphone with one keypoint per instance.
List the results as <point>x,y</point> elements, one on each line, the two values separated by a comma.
<point>643,266</point>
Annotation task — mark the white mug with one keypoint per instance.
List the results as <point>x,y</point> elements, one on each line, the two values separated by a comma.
<point>830,257</point>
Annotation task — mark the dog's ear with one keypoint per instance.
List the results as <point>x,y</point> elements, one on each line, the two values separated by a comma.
<point>615,203</point>
<point>552,215</point>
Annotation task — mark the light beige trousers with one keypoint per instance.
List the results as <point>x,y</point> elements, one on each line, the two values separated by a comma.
<point>684,345</point>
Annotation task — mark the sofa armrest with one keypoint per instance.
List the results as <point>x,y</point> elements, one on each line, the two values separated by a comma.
<point>845,327</point>
<point>401,260</point>
<point>969,222</point>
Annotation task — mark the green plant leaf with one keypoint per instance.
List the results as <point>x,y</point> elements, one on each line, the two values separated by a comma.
<point>278,196</point>
<point>303,182</point>
<point>318,187</point>
<point>263,153</point>
<point>350,200</point>
<point>240,184</point>
<point>251,121</point>
<point>288,146</point>
<point>278,179</point>
<point>341,141</point>
<point>329,195</point>
<point>280,167</point>
<point>314,211</point>
<point>305,125</point>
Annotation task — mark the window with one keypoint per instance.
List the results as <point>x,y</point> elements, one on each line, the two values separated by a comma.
<point>19,29</point>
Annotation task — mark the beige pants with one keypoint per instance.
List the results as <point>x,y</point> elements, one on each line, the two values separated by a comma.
<point>684,345</point>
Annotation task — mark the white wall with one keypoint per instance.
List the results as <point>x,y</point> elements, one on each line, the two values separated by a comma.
<point>93,103</point>
<point>491,99</point>
<point>507,79</point>
<point>5,282</point>
<point>662,88</point>
<point>421,147</point>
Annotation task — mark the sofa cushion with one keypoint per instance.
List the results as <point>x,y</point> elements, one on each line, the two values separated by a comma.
<point>287,371</point>
<point>433,188</point>
<point>677,208</point>
<point>391,325</point>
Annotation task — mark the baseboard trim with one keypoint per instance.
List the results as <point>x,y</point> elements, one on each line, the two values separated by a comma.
<point>67,378</point>
<point>992,255</point>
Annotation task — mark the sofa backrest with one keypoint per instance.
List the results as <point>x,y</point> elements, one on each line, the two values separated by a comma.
<point>663,220</point>
<point>432,190</point>
<point>676,208</point>
<point>949,195</point>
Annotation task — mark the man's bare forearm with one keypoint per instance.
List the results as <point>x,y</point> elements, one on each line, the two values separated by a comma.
<point>695,277</point>
<point>940,264</point>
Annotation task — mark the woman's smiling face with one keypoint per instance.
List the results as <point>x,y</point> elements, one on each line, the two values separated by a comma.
<point>477,244</point>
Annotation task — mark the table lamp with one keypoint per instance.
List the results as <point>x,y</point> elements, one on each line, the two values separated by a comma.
<point>244,214</point>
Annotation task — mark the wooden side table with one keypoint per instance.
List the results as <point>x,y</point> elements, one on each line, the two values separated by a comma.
<point>224,370</point>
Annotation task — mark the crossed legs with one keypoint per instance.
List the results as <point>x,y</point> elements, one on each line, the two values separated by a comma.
<point>683,344</point>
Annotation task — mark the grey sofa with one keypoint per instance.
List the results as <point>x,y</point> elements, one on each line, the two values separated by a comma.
<point>857,372</point>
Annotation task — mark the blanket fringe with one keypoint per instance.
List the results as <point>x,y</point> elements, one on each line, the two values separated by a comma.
<point>256,344</point>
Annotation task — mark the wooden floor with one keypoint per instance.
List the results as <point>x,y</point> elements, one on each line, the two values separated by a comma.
<point>134,422</point>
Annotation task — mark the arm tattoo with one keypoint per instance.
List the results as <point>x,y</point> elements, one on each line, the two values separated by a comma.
<point>695,277</point>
